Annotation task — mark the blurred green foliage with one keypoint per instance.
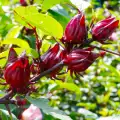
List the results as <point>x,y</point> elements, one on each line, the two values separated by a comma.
<point>97,93</point>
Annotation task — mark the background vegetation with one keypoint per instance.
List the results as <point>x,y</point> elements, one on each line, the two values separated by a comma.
<point>91,97</point>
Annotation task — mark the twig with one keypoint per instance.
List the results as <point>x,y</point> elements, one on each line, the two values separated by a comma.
<point>36,78</point>
<point>7,101</point>
<point>10,94</point>
<point>105,50</point>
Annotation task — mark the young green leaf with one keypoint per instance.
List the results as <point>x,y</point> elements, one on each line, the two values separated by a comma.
<point>29,16</point>
<point>46,4</point>
<point>14,32</point>
<point>16,41</point>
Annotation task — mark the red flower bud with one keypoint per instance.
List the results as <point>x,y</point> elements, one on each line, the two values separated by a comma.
<point>75,31</point>
<point>103,29</point>
<point>80,59</point>
<point>17,71</point>
<point>21,102</point>
<point>51,58</point>
<point>23,2</point>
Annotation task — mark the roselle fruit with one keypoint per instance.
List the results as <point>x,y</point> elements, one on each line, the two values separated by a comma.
<point>80,59</point>
<point>104,28</point>
<point>24,2</point>
<point>51,58</point>
<point>75,31</point>
<point>17,71</point>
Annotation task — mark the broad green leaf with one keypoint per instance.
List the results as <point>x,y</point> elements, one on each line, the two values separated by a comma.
<point>29,52</point>
<point>16,41</point>
<point>87,114</point>
<point>38,1</point>
<point>2,62</point>
<point>46,4</point>
<point>4,115</point>
<point>61,10</point>
<point>69,86</point>
<point>30,16</point>
<point>14,32</point>
<point>42,103</point>
<point>114,117</point>
<point>63,20</point>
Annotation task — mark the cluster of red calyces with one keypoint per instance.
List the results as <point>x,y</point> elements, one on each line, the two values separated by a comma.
<point>76,30</point>
<point>78,53</point>
<point>78,59</point>
<point>17,71</point>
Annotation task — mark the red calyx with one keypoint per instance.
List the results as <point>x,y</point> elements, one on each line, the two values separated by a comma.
<point>80,59</point>
<point>75,31</point>
<point>21,101</point>
<point>23,2</point>
<point>51,58</point>
<point>104,28</point>
<point>17,71</point>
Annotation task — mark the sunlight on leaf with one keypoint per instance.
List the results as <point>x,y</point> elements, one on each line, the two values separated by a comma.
<point>30,16</point>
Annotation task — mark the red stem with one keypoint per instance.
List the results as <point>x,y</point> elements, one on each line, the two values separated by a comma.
<point>7,97</point>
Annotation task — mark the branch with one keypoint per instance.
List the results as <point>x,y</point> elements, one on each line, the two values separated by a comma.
<point>36,78</point>
<point>7,101</point>
<point>10,94</point>
<point>105,50</point>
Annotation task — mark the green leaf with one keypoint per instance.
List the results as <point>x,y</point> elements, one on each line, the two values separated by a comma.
<point>30,15</point>
<point>63,20</point>
<point>1,93</point>
<point>29,52</point>
<point>2,62</point>
<point>87,114</point>
<point>69,86</point>
<point>4,115</point>
<point>112,69</point>
<point>87,105</point>
<point>14,32</point>
<point>114,117</point>
<point>48,4</point>
<point>16,41</point>
<point>42,103</point>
